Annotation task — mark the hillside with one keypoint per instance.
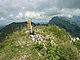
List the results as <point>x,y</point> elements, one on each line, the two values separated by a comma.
<point>65,23</point>
<point>57,45</point>
<point>76,19</point>
<point>13,27</point>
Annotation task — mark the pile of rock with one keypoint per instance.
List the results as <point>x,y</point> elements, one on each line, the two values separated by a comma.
<point>74,39</point>
<point>37,37</point>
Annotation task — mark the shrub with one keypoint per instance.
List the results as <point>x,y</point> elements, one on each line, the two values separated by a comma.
<point>52,54</point>
<point>38,46</point>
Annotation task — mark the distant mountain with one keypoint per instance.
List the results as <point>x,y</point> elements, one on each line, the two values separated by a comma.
<point>65,23</point>
<point>76,19</point>
<point>1,27</point>
<point>13,27</point>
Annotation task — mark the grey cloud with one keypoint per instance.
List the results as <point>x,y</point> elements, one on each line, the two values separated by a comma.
<point>49,7</point>
<point>68,3</point>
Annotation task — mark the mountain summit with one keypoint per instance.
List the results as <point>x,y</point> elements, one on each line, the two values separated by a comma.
<point>65,23</point>
<point>57,45</point>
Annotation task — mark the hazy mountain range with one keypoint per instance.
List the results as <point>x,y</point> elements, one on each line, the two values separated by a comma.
<point>76,19</point>
<point>61,41</point>
<point>69,24</point>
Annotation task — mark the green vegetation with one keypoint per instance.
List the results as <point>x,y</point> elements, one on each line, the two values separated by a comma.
<point>76,19</point>
<point>13,27</point>
<point>18,46</point>
<point>65,23</point>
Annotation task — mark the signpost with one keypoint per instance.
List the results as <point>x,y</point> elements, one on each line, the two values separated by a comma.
<point>29,25</point>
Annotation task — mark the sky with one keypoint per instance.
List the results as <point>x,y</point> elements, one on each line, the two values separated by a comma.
<point>39,10</point>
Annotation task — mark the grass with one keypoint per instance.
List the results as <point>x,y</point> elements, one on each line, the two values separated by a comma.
<point>18,46</point>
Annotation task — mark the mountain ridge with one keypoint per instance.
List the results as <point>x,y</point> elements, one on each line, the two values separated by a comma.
<point>58,45</point>
<point>13,27</point>
<point>68,25</point>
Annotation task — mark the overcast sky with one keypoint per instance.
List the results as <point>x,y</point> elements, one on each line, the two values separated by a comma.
<point>38,8</point>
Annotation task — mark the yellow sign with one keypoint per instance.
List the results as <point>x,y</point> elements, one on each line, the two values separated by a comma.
<point>29,23</point>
